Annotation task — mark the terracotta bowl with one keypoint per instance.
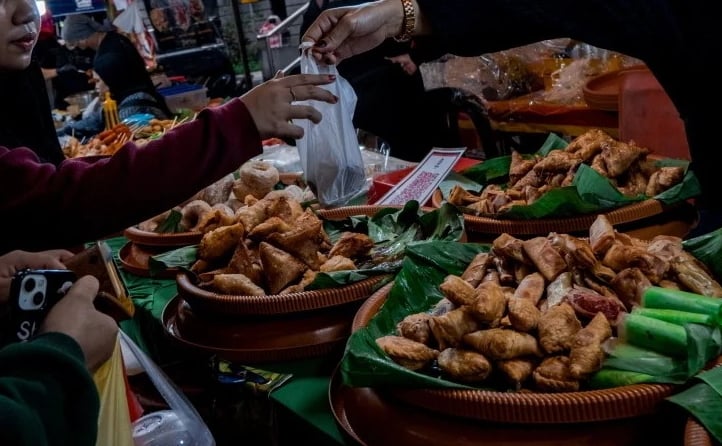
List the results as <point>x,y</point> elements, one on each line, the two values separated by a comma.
<point>259,338</point>
<point>696,435</point>
<point>533,408</point>
<point>134,259</point>
<point>170,239</point>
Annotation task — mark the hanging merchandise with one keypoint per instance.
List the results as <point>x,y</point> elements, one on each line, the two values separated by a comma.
<point>130,22</point>
<point>271,22</point>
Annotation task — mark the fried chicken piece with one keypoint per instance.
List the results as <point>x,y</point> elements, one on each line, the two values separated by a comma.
<point>516,371</point>
<point>352,245</point>
<point>458,290</point>
<point>589,143</point>
<point>415,327</point>
<point>530,288</point>
<point>464,365</point>
<point>663,179</point>
<point>279,267</point>
<point>461,197</point>
<point>510,247</point>
<point>692,273</point>
<point>558,289</point>
<point>268,227</point>
<point>629,285</point>
<point>519,166</point>
<point>557,161</point>
<point>474,273</point>
<point>556,328</point>
<point>500,343</point>
<point>490,304</point>
<point>588,303</point>
<point>523,314</point>
<point>449,328</point>
<point>338,263</point>
<point>553,375</point>
<point>619,156</point>
<point>587,356</point>
<point>407,353</point>
<point>220,242</point>
<point>547,259</point>
<point>237,284</point>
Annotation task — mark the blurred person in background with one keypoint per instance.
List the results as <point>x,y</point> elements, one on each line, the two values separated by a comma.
<point>118,64</point>
<point>47,392</point>
<point>676,40</point>
<point>46,206</point>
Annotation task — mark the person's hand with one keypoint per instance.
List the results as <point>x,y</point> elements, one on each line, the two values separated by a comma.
<point>339,33</point>
<point>405,62</point>
<point>15,261</point>
<point>76,316</point>
<point>271,108</point>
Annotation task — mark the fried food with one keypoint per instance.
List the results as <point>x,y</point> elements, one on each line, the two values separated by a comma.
<point>530,288</point>
<point>407,353</point>
<point>510,247</point>
<point>449,328</point>
<point>490,304</point>
<point>279,267</point>
<point>302,240</point>
<point>464,365</point>
<point>458,290</point>
<point>337,263</point>
<point>589,144</point>
<point>352,244</point>
<point>415,327</point>
<point>219,242</point>
<point>500,343</point>
<point>474,273</point>
<point>516,371</point>
<point>663,179</point>
<point>553,375</point>
<point>192,212</point>
<point>557,327</point>
<point>523,314</point>
<point>587,356</point>
<point>519,166</point>
<point>268,227</point>
<point>546,259</point>
<point>629,284</point>
<point>619,156</point>
<point>236,284</point>
<point>246,262</point>
<point>695,277</point>
<point>587,303</point>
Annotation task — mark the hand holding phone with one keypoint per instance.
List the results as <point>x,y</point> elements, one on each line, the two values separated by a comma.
<point>33,292</point>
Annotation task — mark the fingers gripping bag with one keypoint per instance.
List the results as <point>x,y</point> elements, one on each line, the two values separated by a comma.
<point>329,151</point>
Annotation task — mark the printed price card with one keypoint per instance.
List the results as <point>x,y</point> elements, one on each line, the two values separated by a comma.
<point>421,183</point>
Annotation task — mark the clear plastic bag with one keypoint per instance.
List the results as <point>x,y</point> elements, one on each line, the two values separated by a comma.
<point>329,151</point>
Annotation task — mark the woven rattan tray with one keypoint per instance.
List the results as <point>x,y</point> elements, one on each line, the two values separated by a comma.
<point>518,407</point>
<point>696,435</point>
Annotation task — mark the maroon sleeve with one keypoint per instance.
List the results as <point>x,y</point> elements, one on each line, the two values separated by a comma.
<point>43,206</point>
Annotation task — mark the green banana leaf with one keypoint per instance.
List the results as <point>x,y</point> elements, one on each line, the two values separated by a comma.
<point>704,401</point>
<point>590,191</point>
<point>708,249</point>
<point>182,257</point>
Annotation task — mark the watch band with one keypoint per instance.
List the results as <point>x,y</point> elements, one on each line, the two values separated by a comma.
<point>409,23</point>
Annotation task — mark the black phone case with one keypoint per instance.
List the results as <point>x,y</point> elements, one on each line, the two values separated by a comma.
<point>32,294</point>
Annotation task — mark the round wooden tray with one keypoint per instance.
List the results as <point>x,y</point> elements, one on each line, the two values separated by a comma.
<point>676,220</point>
<point>533,408</point>
<point>368,416</point>
<point>259,339</point>
<point>696,435</point>
<point>134,259</point>
<point>169,239</point>
<point>211,302</point>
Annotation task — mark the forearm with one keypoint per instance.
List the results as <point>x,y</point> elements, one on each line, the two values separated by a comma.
<point>47,207</point>
<point>47,396</point>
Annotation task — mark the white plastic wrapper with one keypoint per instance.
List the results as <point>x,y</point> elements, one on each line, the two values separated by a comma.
<point>330,155</point>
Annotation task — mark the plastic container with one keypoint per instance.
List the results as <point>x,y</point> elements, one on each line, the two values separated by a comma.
<point>162,428</point>
<point>185,96</point>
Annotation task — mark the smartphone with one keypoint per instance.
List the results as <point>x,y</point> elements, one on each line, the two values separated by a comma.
<point>33,292</point>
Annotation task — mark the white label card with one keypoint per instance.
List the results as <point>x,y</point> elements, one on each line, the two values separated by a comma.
<point>421,183</point>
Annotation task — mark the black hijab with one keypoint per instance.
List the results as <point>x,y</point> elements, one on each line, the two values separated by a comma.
<point>25,116</point>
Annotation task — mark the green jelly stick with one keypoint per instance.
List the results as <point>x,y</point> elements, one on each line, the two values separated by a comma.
<point>607,378</point>
<point>654,334</point>
<point>675,316</point>
<point>657,297</point>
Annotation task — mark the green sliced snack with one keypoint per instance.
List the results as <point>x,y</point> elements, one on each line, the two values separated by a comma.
<point>675,316</point>
<point>658,297</point>
<point>660,336</point>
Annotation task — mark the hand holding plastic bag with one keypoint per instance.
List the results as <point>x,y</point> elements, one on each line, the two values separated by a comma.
<point>329,151</point>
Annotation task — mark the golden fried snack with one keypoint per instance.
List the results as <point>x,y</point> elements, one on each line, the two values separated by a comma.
<point>516,371</point>
<point>253,214</point>
<point>281,204</point>
<point>268,227</point>
<point>352,244</point>
<point>461,197</point>
<point>601,235</point>
<point>547,259</point>
<point>415,327</point>
<point>500,343</point>
<point>589,143</point>
<point>303,240</point>
<point>407,353</point>
<point>629,285</point>
<point>510,247</point>
<point>557,327</point>
<point>458,290</point>
<point>587,356</point>
<point>215,218</point>
<point>490,304</point>
<point>464,365</point>
<point>192,212</point>
<point>279,267</point>
<point>519,166</point>
<point>476,269</point>
<point>449,328</point>
<point>531,288</point>
<point>236,284</point>
<point>220,242</point>
<point>244,261</point>
<point>557,161</point>
<point>619,156</point>
<point>693,274</point>
<point>663,179</point>
<point>256,178</point>
<point>575,249</point>
<point>337,263</point>
<point>523,314</point>
<point>552,375</point>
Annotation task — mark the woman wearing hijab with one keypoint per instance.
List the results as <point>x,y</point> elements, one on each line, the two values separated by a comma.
<point>118,64</point>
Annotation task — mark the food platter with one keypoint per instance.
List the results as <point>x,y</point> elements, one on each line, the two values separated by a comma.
<point>644,219</point>
<point>169,239</point>
<point>259,339</point>
<point>134,259</point>
<point>526,407</point>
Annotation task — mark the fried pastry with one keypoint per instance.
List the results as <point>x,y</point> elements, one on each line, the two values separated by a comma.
<point>553,375</point>
<point>663,179</point>
<point>619,156</point>
<point>458,290</point>
<point>587,356</point>
<point>500,343</point>
<point>558,288</point>
<point>244,262</point>
<point>220,242</point>
<point>523,314</point>
<point>519,166</point>
<point>629,285</point>
<point>236,284</point>
<point>695,277</point>
<point>587,303</point>
<point>476,269</point>
<point>547,259</point>
<point>464,365</point>
<point>530,288</point>
<point>490,304</point>
<point>407,353</point>
<point>352,244</point>
<point>449,328</point>
<point>279,267</point>
<point>557,161</point>
<point>337,263</point>
<point>415,327</point>
<point>556,328</point>
<point>461,197</point>
<point>302,240</point>
<point>516,371</point>
<point>268,227</point>
<point>510,247</point>
<point>589,143</point>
